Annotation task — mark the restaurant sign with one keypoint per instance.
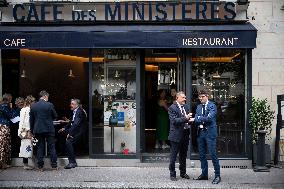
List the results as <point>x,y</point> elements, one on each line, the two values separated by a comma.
<point>124,11</point>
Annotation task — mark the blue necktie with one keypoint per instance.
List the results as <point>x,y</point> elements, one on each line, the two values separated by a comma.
<point>203,109</point>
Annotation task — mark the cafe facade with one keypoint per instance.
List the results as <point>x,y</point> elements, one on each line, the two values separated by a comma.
<point>117,57</point>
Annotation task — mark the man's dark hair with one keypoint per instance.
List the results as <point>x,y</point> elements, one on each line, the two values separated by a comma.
<point>173,86</point>
<point>203,92</point>
<point>43,93</point>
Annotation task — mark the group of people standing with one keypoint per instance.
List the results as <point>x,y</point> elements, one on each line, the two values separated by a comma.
<point>37,121</point>
<point>36,124</point>
<point>180,122</point>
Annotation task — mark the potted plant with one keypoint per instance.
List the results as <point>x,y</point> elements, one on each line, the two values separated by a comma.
<point>260,119</point>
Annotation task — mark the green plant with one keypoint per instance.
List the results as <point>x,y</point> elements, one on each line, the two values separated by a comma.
<point>260,118</point>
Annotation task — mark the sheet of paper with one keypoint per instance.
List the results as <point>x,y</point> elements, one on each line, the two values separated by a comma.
<point>15,119</point>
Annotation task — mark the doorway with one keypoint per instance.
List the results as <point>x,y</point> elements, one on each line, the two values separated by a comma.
<point>162,80</point>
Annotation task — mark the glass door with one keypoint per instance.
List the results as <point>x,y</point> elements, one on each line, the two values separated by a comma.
<point>164,76</point>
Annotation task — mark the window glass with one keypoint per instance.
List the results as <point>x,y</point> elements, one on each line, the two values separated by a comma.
<point>113,101</point>
<point>222,72</point>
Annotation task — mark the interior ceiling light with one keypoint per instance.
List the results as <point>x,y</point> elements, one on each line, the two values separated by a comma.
<point>116,75</point>
<point>23,75</point>
<point>71,73</point>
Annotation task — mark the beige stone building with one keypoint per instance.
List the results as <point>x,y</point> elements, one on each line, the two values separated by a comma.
<point>267,63</point>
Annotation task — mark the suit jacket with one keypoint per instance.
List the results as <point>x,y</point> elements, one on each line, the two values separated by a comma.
<point>42,115</point>
<point>177,122</point>
<point>209,119</point>
<point>78,125</point>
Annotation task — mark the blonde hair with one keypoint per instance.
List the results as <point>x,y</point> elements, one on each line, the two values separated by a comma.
<point>29,100</point>
<point>20,102</point>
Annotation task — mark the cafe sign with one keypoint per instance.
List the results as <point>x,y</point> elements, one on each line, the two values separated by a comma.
<point>121,11</point>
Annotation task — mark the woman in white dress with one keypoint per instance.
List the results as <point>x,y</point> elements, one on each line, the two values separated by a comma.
<point>24,132</point>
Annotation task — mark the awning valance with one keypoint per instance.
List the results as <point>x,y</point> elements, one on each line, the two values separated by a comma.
<point>132,36</point>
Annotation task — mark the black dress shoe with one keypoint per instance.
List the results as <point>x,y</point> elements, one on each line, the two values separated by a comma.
<point>70,166</point>
<point>173,178</point>
<point>75,165</point>
<point>216,180</point>
<point>202,177</point>
<point>185,176</point>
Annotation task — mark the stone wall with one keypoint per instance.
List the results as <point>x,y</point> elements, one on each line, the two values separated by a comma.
<point>268,57</point>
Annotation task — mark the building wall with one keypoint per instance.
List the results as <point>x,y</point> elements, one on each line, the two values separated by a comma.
<point>268,57</point>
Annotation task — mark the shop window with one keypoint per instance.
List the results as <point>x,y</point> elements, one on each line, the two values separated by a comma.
<point>113,102</point>
<point>222,72</point>
<point>63,74</point>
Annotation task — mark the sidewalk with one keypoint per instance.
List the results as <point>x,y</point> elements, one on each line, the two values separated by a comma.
<point>135,177</point>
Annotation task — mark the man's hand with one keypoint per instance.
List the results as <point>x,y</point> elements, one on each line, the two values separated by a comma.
<point>29,135</point>
<point>68,136</point>
<point>61,130</point>
<point>188,116</point>
<point>191,120</point>
<point>66,119</point>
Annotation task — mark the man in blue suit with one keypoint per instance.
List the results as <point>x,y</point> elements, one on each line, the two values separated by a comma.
<point>179,134</point>
<point>205,119</point>
<point>42,115</point>
<point>74,130</point>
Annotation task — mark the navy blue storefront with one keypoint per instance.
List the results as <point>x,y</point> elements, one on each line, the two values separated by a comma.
<point>130,36</point>
<point>214,54</point>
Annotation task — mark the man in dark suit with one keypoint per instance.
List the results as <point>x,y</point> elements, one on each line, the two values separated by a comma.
<point>205,119</point>
<point>74,130</point>
<point>179,134</point>
<point>42,115</point>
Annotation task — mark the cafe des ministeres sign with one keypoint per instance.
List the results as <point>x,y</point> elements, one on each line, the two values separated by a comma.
<point>121,11</point>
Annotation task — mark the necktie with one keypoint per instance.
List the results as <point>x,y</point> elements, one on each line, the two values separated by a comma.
<point>183,110</point>
<point>203,109</point>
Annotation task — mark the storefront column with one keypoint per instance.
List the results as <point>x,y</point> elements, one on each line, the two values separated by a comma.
<point>140,102</point>
<point>188,85</point>
<point>188,76</point>
<point>90,72</point>
<point>1,73</point>
<point>248,147</point>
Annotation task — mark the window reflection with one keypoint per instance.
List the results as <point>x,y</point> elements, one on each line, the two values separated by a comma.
<point>222,71</point>
<point>114,106</point>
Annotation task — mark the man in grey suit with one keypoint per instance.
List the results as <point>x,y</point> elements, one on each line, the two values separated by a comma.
<point>42,115</point>
<point>179,134</point>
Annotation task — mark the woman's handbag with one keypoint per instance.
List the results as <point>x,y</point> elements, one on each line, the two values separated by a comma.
<point>26,149</point>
